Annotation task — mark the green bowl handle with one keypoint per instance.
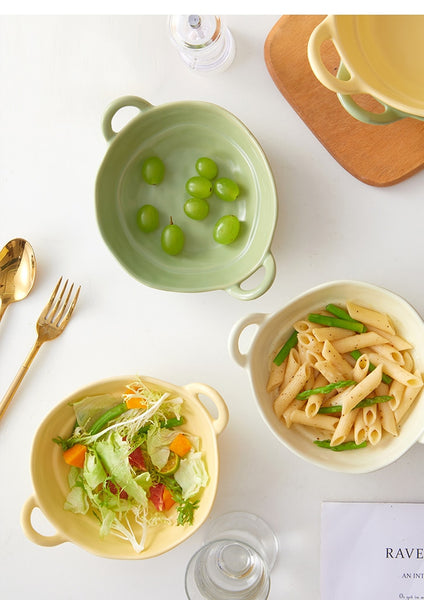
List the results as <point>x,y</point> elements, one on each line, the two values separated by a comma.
<point>234,339</point>
<point>116,105</point>
<point>220,423</point>
<point>269,265</point>
<point>390,115</point>
<point>31,533</point>
<point>321,33</point>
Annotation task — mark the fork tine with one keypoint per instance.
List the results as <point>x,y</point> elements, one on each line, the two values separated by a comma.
<point>58,301</point>
<point>52,298</point>
<point>70,309</point>
<point>64,305</point>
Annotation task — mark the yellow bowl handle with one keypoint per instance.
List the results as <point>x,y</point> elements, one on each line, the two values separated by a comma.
<point>325,31</point>
<point>31,533</point>
<point>220,423</point>
<point>115,106</point>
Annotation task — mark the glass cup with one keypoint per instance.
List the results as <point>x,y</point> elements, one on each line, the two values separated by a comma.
<point>205,44</point>
<point>235,561</point>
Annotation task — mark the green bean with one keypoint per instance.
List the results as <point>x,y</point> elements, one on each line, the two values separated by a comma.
<point>371,401</point>
<point>336,408</point>
<point>174,422</point>
<point>326,410</point>
<point>385,378</point>
<point>339,312</point>
<point>335,322</point>
<point>339,447</point>
<point>325,389</point>
<point>109,415</point>
<point>284,352</point>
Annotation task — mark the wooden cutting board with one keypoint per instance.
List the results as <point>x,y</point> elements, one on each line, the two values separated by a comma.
<point>379,155</point>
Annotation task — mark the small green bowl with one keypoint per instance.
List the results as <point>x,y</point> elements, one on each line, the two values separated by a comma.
<point>179,133</point>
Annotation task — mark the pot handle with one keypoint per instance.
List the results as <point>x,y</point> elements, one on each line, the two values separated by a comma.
<point>31,533</point>
<point>220,423</point>
<point>233,342</point>
<point>389,115</point>
<point>269,265</point>
<point>116,105</point>
<point>324,31</point>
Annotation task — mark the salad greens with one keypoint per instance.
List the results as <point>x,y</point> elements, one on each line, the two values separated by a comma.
<point>122,467</point>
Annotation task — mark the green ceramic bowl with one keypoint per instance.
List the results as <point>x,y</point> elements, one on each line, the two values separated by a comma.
<point>179,133</point>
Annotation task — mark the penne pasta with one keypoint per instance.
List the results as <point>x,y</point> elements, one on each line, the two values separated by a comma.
<point>395,340</point>
<point>293,364</point>
<point>331,333</point>
<point>356,342</point>
<point>350,397</point>
<point>314,402</point>
<point>370,317</point>
<point>374,432</point>
<point>344,427</point>
<point>408,398</point>
<point>328,370</point>
<point>359,429</point>
<point>361,368</point>
<point>276,376</point>
<point>369,415</point>
<point>303,326</point>
<point>396,390</point>
<point>320,421</point>
<point>342,377</point>
<point>293,406</point>
<point>290,391</point>
<point>394,370</point>
<point>388,420</point>
<point>330,354</point>
<point>389,352</point>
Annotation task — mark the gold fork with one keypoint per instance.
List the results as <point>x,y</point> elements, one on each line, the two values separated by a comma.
<point>50,325</point>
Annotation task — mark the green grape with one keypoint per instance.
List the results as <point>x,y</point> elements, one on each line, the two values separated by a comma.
<point>206,167</point>
<point>196,208</point>
<point>147,218</point>
<point>153,170</point>
<point>226,229</point>
<point>172,239</point>
<point>226,189</point>
<point>199,187</point>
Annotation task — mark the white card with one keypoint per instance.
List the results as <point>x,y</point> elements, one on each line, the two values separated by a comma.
<point>372,551</point>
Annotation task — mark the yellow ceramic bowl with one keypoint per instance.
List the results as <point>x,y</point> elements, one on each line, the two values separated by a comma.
<point>49,473</point>
<point>271,332</point>
<point>382,53</point>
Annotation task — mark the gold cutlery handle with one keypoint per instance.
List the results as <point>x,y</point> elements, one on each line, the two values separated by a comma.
<point>18,378</point>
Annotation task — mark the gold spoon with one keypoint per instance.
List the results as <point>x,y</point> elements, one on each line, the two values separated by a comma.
<point>17,272</point>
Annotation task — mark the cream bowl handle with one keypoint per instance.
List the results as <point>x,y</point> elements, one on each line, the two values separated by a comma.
<point>234,340</point>
<point>220,423</point>
<point>31,533</point>
<point>324,31</point>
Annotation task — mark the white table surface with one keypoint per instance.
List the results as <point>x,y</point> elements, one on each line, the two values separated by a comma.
<point>57,76</point>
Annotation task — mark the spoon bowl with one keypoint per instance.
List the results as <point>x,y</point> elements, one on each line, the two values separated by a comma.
<point>17,272</point>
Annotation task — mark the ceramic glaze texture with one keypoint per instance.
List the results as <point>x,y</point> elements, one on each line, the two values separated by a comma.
<point>179,133</point>
<point>50,473</point>
<point>273,330</point>
<point>381,53</point>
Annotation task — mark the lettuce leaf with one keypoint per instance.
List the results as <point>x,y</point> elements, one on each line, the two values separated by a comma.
<point>113,452</point>
<point>191,474</point>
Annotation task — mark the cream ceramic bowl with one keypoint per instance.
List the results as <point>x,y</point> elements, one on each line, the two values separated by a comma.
<point>382,54</point>
<point>49,473</point>
<point>271,332</point>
